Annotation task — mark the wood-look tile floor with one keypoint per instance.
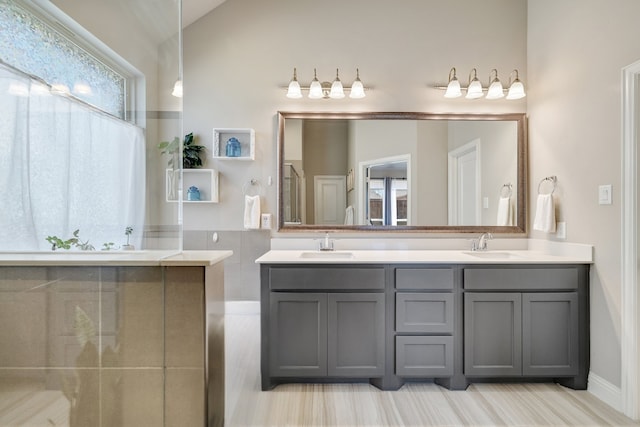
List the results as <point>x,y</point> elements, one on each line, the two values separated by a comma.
<point>417,404</point>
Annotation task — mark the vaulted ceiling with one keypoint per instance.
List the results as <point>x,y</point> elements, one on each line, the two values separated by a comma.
<point>192,10</point>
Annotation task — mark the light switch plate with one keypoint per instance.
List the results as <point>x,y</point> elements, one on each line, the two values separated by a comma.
<point>604,194</point>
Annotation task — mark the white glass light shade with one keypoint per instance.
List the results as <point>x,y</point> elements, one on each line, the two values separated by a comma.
<point>315,89</point>
<point>516,90</point>
<point>357,90</point>
<point>453,89</point>
<point>474,90</point>
<point>337,91</point>
<point>294,90</point>
<point>495,90</point>
<point>177,89</point>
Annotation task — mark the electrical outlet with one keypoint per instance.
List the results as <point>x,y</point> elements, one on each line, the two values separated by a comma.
<point>265,220</point>
<point>561,230</point>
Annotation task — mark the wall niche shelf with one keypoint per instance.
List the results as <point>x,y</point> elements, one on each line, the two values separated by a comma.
<point>246,137</point>
<point>205,179</point>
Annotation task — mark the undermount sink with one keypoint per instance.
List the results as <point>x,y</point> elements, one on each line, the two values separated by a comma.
<point>327,255</point>
<point>493,255</point>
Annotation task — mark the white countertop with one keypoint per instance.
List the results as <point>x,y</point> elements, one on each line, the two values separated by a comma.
<point>114,258</point>
<point>297,256</point>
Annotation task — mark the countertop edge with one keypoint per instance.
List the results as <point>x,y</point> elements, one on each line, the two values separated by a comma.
<point>443,257</point>
<point>190,258</point>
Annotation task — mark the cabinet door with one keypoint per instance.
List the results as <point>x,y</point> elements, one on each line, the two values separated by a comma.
<point>298,334</point>
<point>550,334</point>
<point>493,334</point>
<point>356,334</point>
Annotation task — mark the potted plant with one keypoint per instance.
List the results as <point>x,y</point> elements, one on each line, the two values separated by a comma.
<point>127,246</point>
<point>190,151</point>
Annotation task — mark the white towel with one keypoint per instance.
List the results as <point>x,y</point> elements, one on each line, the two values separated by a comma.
<point>348,215</point>
<point>545,219</point>
<point>504,212</point>
<point>251,212</point>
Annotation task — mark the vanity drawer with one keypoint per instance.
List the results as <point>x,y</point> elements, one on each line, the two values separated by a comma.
<point>521,278</point>
<point>424,278</point>
<point>424,312</point>
<point>424,356</point>
<point>326,278</point>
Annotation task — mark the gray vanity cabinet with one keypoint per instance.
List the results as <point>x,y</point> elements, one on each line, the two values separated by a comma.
<point>539,331</point>
<point>322,322</point>
<point>452,323</point>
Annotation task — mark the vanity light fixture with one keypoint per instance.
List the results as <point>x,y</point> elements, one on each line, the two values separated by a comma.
<point>177,89</point>
<point>475,90</point>
<point>326,90</point>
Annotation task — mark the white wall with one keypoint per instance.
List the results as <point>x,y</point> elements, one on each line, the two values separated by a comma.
<point>576,50</point>
<point>237,57</point>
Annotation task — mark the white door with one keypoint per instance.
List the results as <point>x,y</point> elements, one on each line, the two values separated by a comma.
<point>330,199</point>
<point>464,185</point>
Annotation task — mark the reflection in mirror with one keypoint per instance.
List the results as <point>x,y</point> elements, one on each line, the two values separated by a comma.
<point>386,192</point>
<point>402,171</point>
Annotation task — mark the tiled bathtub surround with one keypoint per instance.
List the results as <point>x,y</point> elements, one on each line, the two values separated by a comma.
<point>103,346</point>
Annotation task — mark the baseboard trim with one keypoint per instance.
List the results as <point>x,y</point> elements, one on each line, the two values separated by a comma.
<point>242,307</point>
<point>605,391</point>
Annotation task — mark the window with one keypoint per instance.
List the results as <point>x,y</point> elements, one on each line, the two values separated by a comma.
<point>31,44</point>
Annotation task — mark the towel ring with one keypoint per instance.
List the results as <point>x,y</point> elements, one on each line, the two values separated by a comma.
<point>508,190</point>
<point>249,184</point>
<point>552,179</point>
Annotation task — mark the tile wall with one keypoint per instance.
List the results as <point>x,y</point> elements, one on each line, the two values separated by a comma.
<point>241,273</point>
<point>102,346</point>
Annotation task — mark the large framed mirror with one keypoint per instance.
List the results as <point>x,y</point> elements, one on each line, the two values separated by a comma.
<point>457,173</point>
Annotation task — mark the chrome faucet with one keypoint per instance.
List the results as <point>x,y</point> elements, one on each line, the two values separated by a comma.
<point>481,243</point>
<point>326,244</point>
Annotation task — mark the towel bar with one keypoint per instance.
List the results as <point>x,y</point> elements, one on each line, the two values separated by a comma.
<point>508,193</point>
<point>249,184</point>
<point>553,179</point>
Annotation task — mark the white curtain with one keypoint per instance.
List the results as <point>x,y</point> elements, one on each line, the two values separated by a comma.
<point>65,166</point>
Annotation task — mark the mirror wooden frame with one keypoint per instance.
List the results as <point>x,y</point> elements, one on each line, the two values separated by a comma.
<point>521,202</point>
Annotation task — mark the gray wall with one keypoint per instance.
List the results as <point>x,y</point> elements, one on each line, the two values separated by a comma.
<point>575,133</point>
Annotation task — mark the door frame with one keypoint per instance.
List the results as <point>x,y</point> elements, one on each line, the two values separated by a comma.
<point>362,181</point>
<point>630,320</point>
